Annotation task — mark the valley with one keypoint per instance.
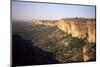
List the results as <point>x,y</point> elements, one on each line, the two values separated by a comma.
<point>68,40</point>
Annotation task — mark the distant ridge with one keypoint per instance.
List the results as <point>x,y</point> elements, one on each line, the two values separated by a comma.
<point>77,26</point>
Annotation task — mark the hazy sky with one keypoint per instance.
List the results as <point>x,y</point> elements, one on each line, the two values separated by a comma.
<point>28,10</point>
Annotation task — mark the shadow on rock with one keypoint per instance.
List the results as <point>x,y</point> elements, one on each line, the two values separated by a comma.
<point>25,53</point>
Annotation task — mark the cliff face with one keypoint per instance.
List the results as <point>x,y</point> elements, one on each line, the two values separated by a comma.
<point>91,30</point>
<point>44,22</point>
<point>79,28</point>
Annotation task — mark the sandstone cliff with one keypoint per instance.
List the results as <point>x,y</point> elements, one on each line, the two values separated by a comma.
<point>79,27</point>
<point>44,22</point>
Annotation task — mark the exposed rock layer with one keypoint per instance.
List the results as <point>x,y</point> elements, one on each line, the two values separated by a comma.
<point>78,27</point>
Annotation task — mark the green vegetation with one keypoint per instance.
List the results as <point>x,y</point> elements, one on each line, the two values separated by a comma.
<point>51,39</point>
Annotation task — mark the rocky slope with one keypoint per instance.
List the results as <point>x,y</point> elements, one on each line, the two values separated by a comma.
<point>83,28</point>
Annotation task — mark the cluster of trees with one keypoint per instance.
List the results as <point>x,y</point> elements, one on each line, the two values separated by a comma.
<point>64,53</point>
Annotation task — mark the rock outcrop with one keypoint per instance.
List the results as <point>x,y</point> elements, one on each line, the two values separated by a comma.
<point>82,28</point>
<point>79,27</point>
<point>44,22</point>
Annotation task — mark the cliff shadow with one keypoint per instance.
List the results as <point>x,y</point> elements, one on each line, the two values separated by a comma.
<point>25,53</point>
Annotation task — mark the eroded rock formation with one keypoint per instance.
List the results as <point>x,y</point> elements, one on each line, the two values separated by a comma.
<point>79,27</point>
<point>44,22</point>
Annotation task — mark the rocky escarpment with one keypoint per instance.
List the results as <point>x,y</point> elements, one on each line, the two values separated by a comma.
<point>78,27</point>
<point>44,22</point>
<point>82,28</point>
